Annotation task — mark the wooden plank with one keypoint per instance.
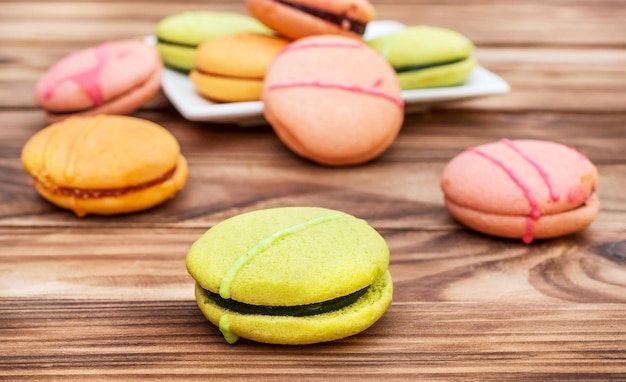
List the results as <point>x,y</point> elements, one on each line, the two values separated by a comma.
<point>574,23</point>
<point>465,306</point>
<point>453,264</point>
<point>544,79</point>
<point>109,298</point>
<point>65,339</point>
<point>430,137</point>
<point>233,170</point>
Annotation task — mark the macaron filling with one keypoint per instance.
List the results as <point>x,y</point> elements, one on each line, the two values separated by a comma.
<point>212,74</point>
<point>161,40</point>
<point>413,68</point>
<point>294,311</point>
<point>343,22</point>
<point>83,193</point>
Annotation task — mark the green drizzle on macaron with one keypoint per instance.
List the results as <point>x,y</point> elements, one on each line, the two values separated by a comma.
<point>264,244</point>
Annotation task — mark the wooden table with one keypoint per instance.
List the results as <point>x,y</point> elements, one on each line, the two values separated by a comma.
<point>109,298</point>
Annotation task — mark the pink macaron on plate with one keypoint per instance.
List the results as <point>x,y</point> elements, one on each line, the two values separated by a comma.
<point>182,94</point>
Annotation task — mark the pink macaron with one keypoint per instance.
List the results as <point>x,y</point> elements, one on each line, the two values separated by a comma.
<point>522,189</point>
<point>333,100</point>
<point>116,77</point>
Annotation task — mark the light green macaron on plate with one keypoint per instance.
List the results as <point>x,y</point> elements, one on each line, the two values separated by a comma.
<point>292,275</point>
<point>427,57</point>
<point>178,35</point>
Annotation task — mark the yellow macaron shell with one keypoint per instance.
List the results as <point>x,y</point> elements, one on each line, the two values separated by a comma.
<point>226,89</point>
<point>245,54</point>
<point>105,164</point>
<point>100,152</point>
<point>231,68</point>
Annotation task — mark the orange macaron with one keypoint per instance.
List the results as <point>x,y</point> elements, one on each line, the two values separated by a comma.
<point>105,165</point>
<point>333,100</point>
<point>296,19</point>
<point>232,68</point>
<point>527,189</point>
<point>115,77</point>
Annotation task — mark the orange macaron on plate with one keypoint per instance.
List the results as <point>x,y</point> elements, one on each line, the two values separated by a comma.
<point>183,95</point>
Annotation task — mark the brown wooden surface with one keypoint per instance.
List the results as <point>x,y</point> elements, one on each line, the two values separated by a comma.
<point>109,298</point>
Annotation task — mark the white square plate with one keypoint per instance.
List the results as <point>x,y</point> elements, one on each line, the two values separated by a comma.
<point>181,92</point>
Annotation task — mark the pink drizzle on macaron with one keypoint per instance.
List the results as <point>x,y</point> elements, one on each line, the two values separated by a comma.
<point>348,87</point>
<point>88,79</point>
<point>535,213</point>
<point>544,175</point>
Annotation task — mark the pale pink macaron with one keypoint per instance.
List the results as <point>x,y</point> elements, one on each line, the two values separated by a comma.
<point>522,189</point>
<point>333,100</point>
<point>116,77</point>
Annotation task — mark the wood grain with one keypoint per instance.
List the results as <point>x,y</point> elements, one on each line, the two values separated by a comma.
<point>124,340</point>
<point>238,169</point>
<point>128,306</point>
<point>427,265</point>
<point>109,298</point>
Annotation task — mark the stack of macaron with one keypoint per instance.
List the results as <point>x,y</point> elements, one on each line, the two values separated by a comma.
<point>341,111</point>
<point>330,96</point>
<point>118,77</point>
<point>423,56</point>
<point>231,68</point>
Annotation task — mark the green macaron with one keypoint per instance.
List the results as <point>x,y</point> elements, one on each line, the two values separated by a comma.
<point>291,275</point>
<point>426,56</point>
<point>178,35</point>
